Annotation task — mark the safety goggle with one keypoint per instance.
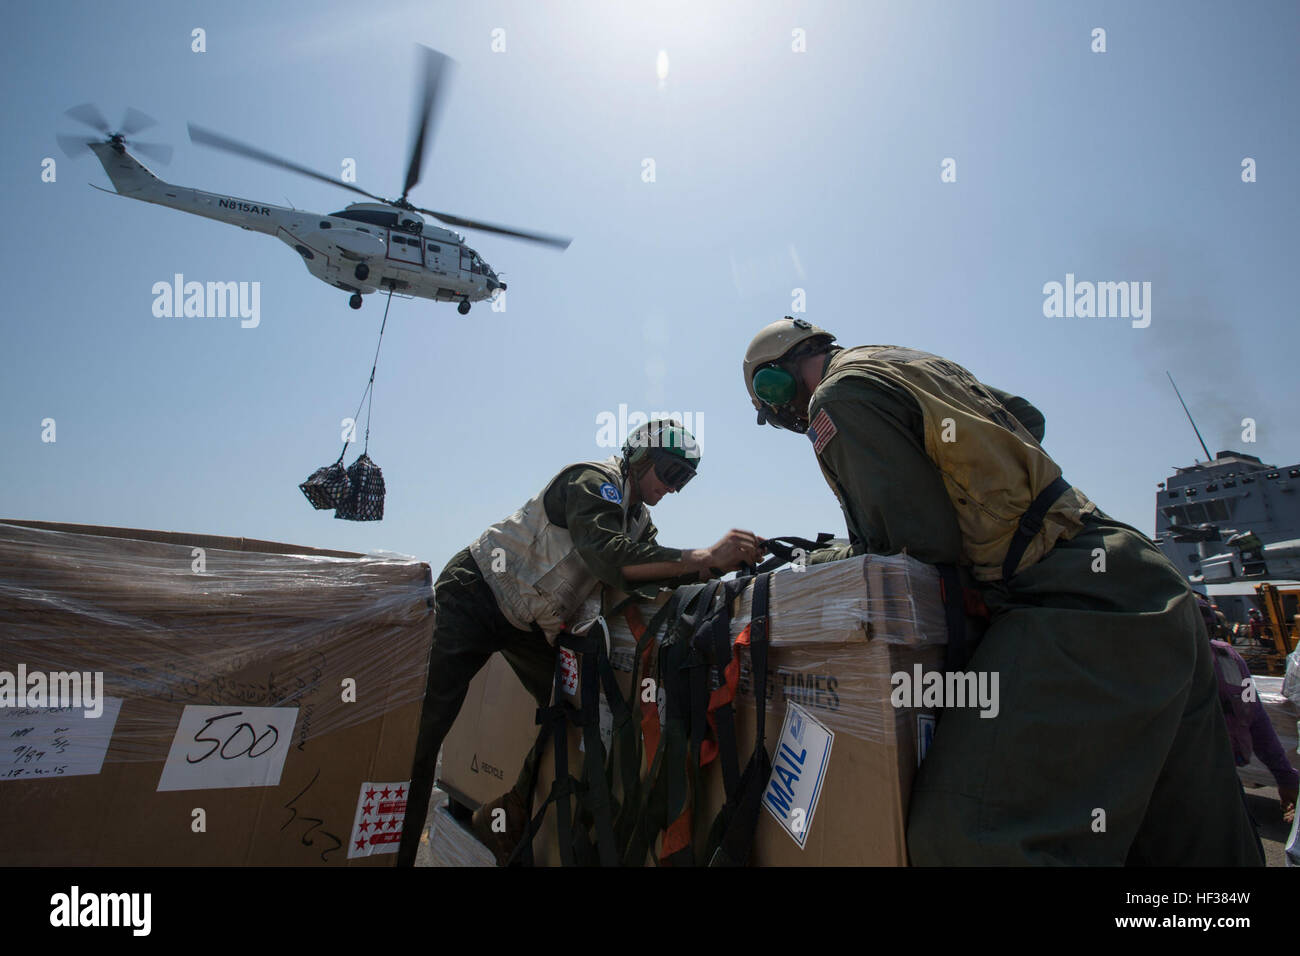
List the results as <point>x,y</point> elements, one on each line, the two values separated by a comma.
<point>671,470</point>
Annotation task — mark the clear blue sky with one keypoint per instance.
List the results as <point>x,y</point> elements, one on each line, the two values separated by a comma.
<point>775,170</point>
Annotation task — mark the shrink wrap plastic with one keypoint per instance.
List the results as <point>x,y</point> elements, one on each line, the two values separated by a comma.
<point>251,627</point>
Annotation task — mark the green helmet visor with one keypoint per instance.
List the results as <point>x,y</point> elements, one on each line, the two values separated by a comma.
<point>774,385</point>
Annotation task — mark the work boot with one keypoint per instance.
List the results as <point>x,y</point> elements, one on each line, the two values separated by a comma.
<point>502,844</point>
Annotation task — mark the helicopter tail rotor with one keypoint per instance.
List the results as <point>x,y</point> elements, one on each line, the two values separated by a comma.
<point>133,121</point>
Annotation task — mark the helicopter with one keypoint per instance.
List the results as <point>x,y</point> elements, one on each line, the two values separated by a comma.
<point>367,246</point>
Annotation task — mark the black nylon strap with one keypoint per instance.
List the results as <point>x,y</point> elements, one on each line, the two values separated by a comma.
<point>725,715</point>
<point>958,651</point>
<point>552,723</point>
<point>736,828</point>
<point>596,796</point>
<point>1031,522</point>
<point>784,547</point>
<point>651,811</point>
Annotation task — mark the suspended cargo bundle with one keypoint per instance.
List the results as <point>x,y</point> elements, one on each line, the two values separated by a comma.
<point>365,502</point>
<point>328,487</point>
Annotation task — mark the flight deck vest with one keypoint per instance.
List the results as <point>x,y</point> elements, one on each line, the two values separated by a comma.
<point>543,580</point>
<point>992,468</point>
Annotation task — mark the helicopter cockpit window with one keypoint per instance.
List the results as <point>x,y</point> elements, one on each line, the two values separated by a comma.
<point>372,216</point>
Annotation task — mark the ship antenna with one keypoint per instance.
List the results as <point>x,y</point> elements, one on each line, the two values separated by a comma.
<point>1208,456</point>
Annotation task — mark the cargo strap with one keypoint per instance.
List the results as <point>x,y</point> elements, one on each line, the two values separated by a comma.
<point>593,791</point>
<point>652,809</point>
<point>731,838</point>
<point>1031,522</point>
<point>613,823</point>
<point>785,547</point>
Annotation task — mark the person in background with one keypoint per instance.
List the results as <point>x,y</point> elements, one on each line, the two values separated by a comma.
<point>1249,728</point>
<point>1256,625</point>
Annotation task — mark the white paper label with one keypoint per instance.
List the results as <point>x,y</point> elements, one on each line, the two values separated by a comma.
<point>224,747</point>
<point>606,727</point>
<point>48,742</point>
<point>798,770</point>
<point>381,811</point>
<point>924,734</point>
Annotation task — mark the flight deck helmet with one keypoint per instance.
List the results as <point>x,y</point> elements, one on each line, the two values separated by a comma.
<point>670,449</point>
<point>769,370</point>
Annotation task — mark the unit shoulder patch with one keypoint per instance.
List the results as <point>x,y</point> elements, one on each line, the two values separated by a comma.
<point>610,493</point>
<point>821,431</point>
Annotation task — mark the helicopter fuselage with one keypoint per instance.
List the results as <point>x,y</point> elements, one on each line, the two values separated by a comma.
<point>365,248</point>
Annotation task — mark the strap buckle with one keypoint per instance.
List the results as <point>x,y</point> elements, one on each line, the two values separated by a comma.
<point>1031,522</point>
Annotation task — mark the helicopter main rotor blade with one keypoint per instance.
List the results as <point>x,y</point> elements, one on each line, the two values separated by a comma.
<point>159,151</point>
<point>557,242</point>
<point>73,146</point>
<point>208,138</point>
<point>89,114</point>
<point>435,70</point>
<point>134,121</point>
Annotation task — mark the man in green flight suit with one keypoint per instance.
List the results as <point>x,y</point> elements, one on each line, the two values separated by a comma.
<point>1109,747</point>
<point>516,587</point>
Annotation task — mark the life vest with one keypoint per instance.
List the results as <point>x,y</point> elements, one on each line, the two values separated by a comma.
<point>1008,493</point>
<point>544,580</point>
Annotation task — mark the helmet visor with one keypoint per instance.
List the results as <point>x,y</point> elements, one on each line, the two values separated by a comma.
<point>672,470</point>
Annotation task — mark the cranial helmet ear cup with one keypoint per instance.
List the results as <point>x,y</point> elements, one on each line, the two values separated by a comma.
<point>774,385</point>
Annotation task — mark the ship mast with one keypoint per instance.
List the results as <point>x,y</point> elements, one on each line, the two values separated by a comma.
<point>1208,456</point>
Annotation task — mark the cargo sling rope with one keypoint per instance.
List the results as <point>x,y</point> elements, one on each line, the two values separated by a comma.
<point>698,668</point>
<point>356,493</point>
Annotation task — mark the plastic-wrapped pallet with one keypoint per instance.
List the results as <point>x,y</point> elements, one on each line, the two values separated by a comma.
<point>277,687</point>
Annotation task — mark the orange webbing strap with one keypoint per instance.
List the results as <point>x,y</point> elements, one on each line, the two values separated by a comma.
<point>649,709</point>
<point>722,696</point>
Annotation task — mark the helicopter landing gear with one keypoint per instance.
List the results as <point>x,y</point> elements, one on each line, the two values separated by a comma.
<point>362,271</point>
<point>355,301</point>
<point>463,308</point>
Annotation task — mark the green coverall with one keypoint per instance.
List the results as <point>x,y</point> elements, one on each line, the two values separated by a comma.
<point>469,626</point>
<point>1109,747</point>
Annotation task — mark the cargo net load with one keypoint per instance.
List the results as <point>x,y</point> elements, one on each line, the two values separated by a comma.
<point>150,622</point>
<point>664,696</point>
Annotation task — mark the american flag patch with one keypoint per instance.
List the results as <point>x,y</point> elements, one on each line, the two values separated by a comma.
<point>821,431</point>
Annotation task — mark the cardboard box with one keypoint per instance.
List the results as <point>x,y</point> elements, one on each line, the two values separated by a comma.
<point>485,749</point>
<point>837,633</point>
<point>260,701</point>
